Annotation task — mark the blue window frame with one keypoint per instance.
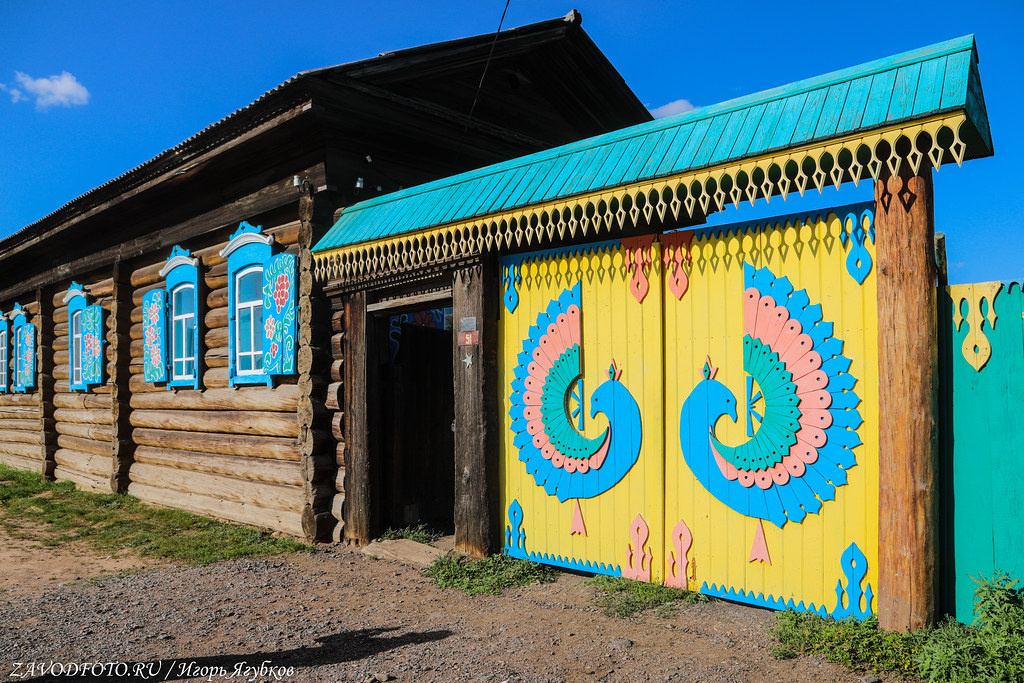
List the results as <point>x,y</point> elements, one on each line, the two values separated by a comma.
<point>247,252</point>
<point>262,314</point>
<point>4,358</point>
<point>85,340</point>
<point>24,349</point>
<point>182,273</point>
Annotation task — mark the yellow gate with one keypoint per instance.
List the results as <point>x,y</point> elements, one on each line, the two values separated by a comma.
<point>699,409</point>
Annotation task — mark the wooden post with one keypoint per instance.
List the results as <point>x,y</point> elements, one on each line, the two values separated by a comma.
<point>908,381</point>
<point>45,380</point>
<point>474,300</point>
<point>121,444</point>
<point>318,462</point>
<point>358,500</point>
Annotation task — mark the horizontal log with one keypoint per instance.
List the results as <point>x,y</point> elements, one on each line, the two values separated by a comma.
<point>137,384</point>
<point>216,317</point>
<point>139,293</point>
<point>61,386</point>
<point>82,401</point>
<point>136,315</point>
<point>338,506</point>
<point>275,448</point>
<point>102,433</point>
<point>215,378</point>
<point>219,486</point>
<point>19,399</point>
<point>60,314</point>
<point>335,396</point>
<point>93,464</point>
<point>338,426</point>
<point>279,399</point>
<point>339,480</point>
<point>220,421</point>
<point>338,321</point>
<point>19,462</point>
<point>25,450</point>
<point>240,467</point>
<point>91,446</point>
<point>61,357</point>
<point>23,424</point>
<point>287,522</point>
<point>18,413</point>
<point>337,371</point>
<point>217,297</point>
<point>217,358</point>
<point>215,337</point>
<point>338,345</point>
<point>87,416</point>
<point>340,454</point>
<point>85,482</point>
<point>21,436</point>
<point>102,289</point>
<point>61,372</point>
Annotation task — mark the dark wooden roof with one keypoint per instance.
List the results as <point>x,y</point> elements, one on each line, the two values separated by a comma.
<point>546,85</point>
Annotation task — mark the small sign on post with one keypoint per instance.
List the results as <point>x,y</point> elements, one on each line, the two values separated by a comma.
<point>468,334</point>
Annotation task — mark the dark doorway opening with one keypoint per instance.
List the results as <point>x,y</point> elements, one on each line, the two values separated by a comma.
<point>416,467</point>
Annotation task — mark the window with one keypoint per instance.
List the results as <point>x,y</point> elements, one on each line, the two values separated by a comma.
<point>248,319</point>
<point>179,300</point>
<point>3,354</point>
<point>261,308</point>
<point>24,351</point>
<point>183,333</point>
<point>76,349</point>
<point>85,340</point>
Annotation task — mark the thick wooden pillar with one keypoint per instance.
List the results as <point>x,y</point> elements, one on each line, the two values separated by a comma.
<point>475,301</point>
<point>358,509</point>
<point>45,381</point>
<point>908,382</point>
<point>316,445</point>
<point>121,443</point>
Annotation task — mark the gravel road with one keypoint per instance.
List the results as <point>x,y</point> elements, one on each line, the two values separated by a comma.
<point>338,615</point>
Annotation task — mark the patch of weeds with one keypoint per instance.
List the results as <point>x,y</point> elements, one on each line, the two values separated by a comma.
<point>619,597</point>
<point>490,575</point>
<point>420,533</point>
<point>61,513</point>
<point>991,649</point>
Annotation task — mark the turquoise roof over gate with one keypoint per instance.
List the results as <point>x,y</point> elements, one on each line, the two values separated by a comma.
<point>914,85</point>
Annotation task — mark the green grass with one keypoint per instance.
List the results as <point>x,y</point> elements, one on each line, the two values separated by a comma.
<point>420,533</point>
<point>490,575</point>
<point>991,649</point>
<point>619,597</point>
<point>54,513</point>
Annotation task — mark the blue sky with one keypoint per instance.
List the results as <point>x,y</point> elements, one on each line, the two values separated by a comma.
<point>142,77</point>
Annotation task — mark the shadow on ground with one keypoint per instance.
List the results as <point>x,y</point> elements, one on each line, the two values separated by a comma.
<point>347,646</point>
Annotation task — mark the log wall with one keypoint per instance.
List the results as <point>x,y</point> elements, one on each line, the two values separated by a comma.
<point>82,420</point>
<point>252,454</point>
<point>21,438</point>
<point>226,452</point>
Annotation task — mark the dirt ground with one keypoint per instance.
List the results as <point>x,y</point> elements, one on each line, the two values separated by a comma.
<point>338,615</point>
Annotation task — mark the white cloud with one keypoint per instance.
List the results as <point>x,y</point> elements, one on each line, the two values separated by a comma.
<point>63,90</point>
<point>16,95</point>
<point>674,107</point>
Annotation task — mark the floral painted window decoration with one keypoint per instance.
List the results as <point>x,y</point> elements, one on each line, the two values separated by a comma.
<point>85,343</point>
<point>24,349</point>
<point>261,308</point>
<point>170,324</point>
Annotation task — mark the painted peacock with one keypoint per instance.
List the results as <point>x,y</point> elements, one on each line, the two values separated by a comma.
<point>547,397</point>
<point>796,374</point>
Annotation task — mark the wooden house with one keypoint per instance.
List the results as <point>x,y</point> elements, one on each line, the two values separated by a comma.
<point>163,333</point>
<point>747,410</point>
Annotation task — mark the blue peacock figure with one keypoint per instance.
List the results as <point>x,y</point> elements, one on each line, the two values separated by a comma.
<point>546,399</point>
<point>805,435</point>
